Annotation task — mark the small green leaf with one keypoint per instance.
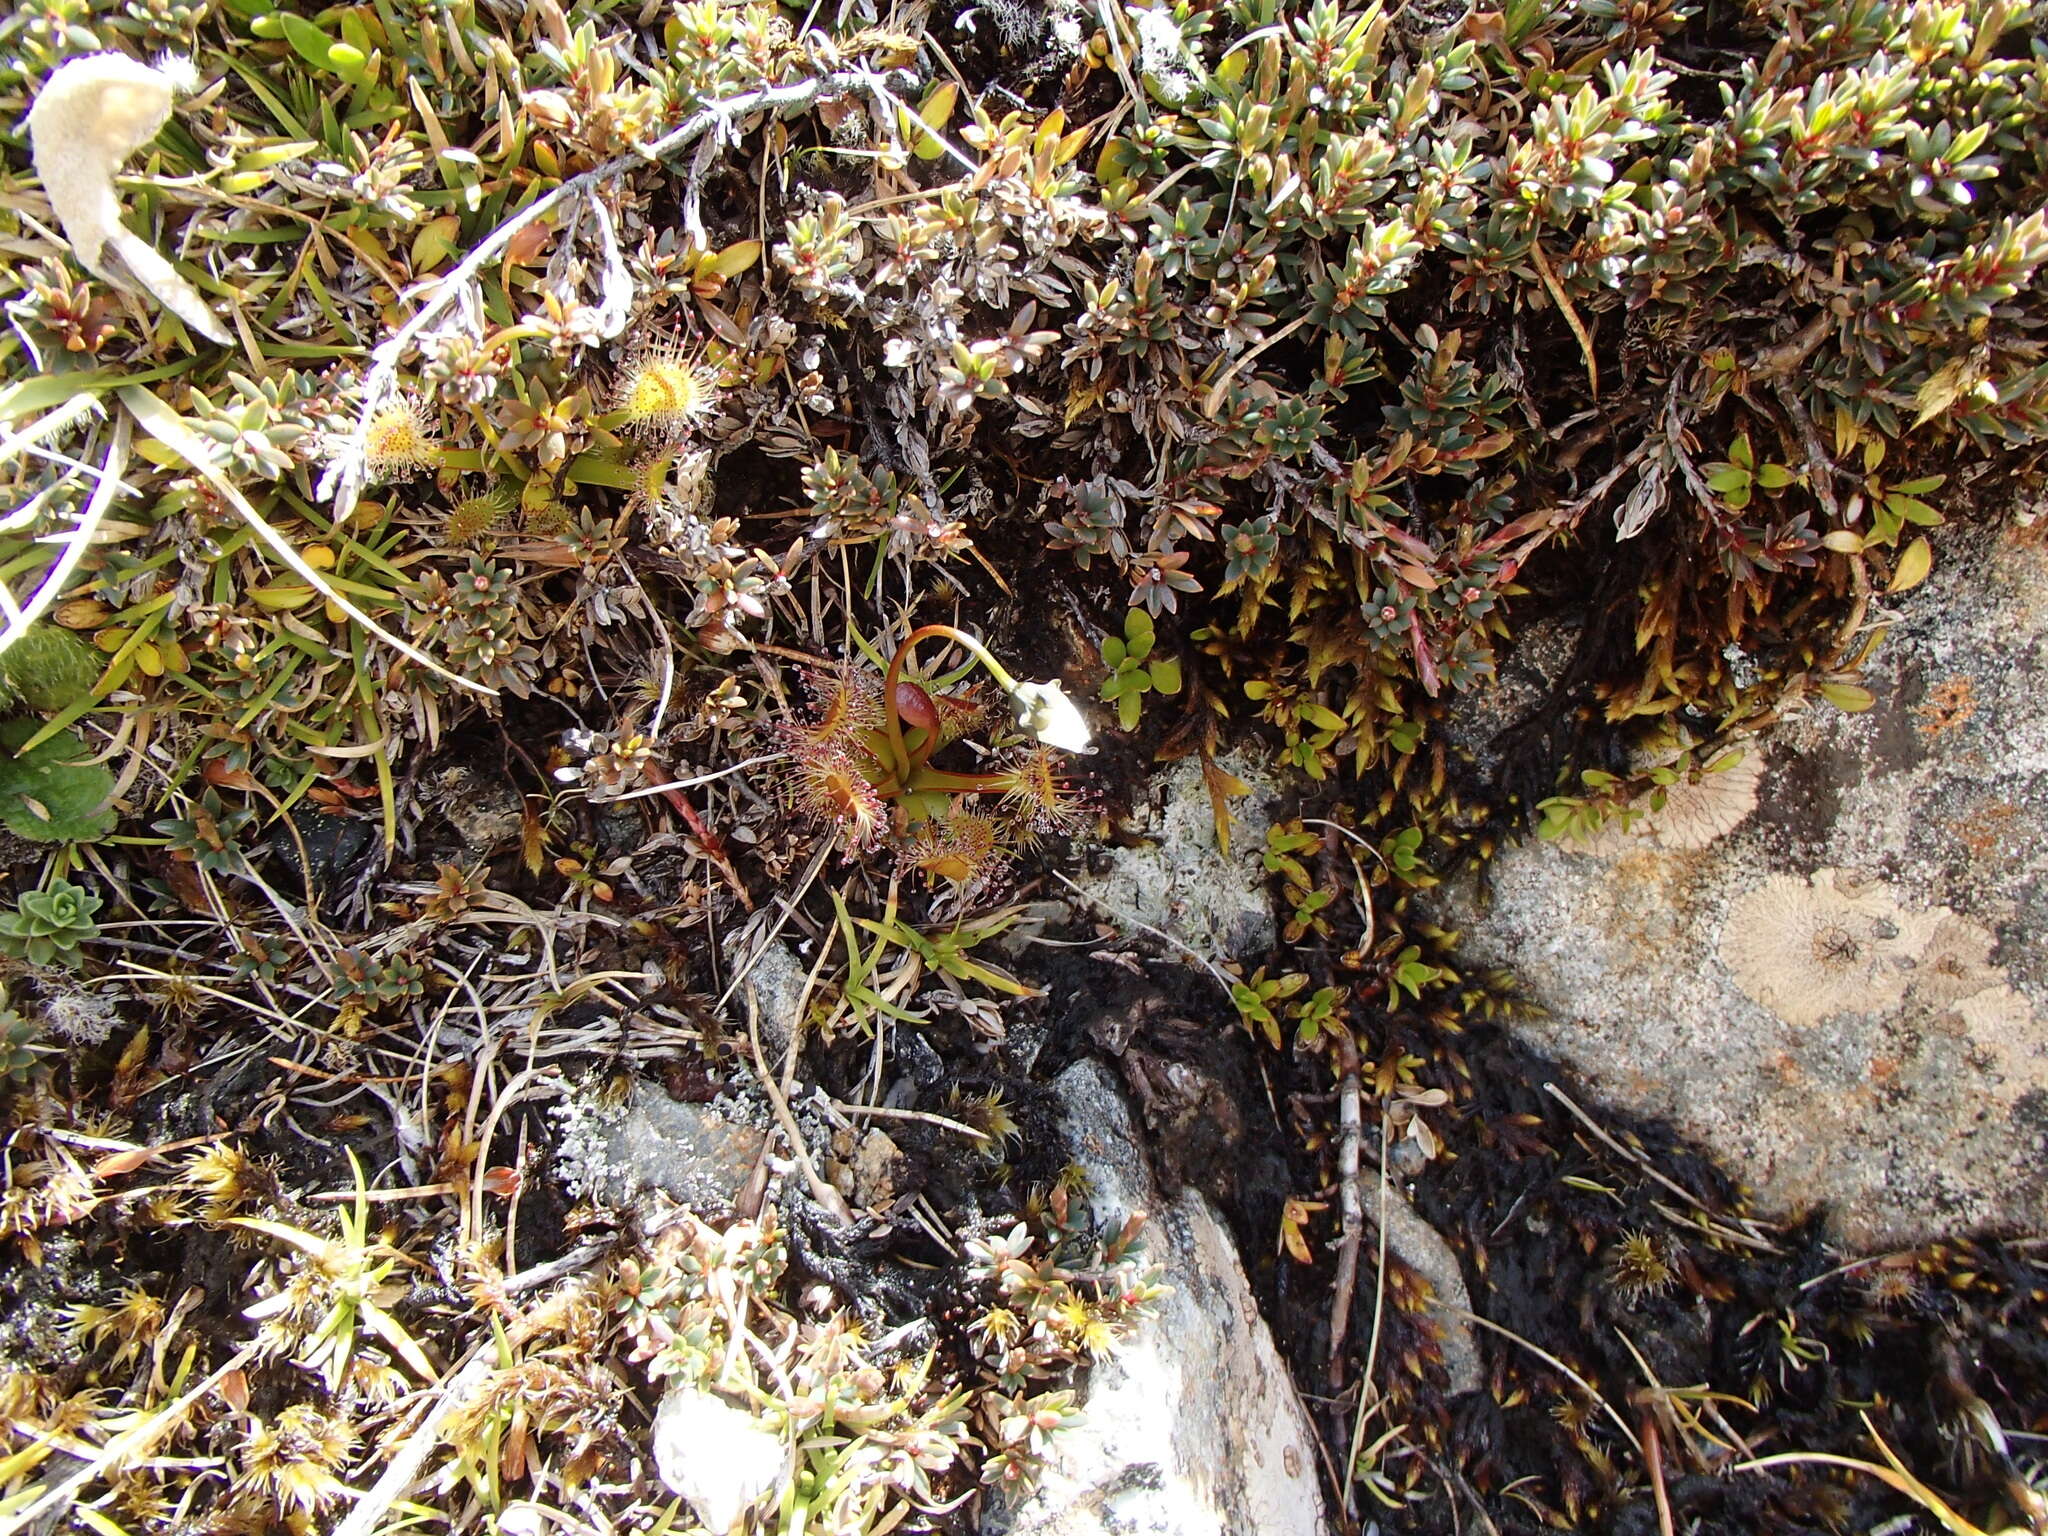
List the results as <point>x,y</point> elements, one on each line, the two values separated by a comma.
<point>1166,675</point>
<point>933,114</point>
<point>1848,697</point>
<point>1913,566</point>
<point>348,61</point>
<point>310,43</point>
<point>735,259</point>
<point>276,154</point>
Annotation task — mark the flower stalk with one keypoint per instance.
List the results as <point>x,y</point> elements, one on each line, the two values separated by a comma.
<point>1041,709</point>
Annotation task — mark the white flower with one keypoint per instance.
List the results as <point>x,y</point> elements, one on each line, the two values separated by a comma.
<point>722,1460</point>
<point>1044,710</point>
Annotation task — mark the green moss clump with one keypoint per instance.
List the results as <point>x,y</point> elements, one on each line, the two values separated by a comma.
<point>47,669</point>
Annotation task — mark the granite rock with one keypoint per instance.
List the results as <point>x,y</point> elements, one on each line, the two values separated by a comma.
<point>1192,1428</point>
<point>1830,967</point>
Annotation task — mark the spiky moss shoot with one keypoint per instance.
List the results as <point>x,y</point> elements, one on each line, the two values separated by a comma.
<point>401,441</point>
<point>1639,1267</point>
<point>541,512</point>
<point>1574,1413</point>
<point>474,516</point>
<point>178,994</point>
<point>662,393</point>
<point>293,1460</point>
<point>133,1320</point>
<point>228,1179</point>
<point>990,1114</point>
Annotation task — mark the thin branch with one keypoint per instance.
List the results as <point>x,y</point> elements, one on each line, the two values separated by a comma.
<point>821,1191</point>
<point>702,778</point>
<point>1557,1365</point>
<point>1571,315</point>
<point>1653,1458</point>
<point>883,1111</point>
<point>1746,1235</point>
<point>1222,978</point>
<point>1350,1128</point>
<point>417,1445</point>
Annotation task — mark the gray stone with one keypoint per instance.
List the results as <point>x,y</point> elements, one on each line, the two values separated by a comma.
<point>865,1168</point>
<point>487,814</point>
<point>775,983</point>
<point>1179,881</point>
<point>651,1143</point>
<point>1834,976</point>
<point>1193,1427</point>
<point>1422,1248</point>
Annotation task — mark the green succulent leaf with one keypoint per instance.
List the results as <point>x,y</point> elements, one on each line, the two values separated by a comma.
<point>51,793</point>
<point>49,925</point>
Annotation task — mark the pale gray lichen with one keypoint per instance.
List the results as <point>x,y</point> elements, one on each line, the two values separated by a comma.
<point>1807,950</point>
<point>2000,1023</point>
<point>1698,812</point>
<point>1954,963</point>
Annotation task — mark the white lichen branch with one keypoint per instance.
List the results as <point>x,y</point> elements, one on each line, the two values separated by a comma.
<point>89,117</point>
<point>75,541</point>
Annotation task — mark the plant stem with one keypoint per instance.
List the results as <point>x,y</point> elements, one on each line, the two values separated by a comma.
<point>958,783</point>
<point>898,751</point>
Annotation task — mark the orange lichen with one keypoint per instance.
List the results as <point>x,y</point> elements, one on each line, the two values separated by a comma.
<point>1949,705</point>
